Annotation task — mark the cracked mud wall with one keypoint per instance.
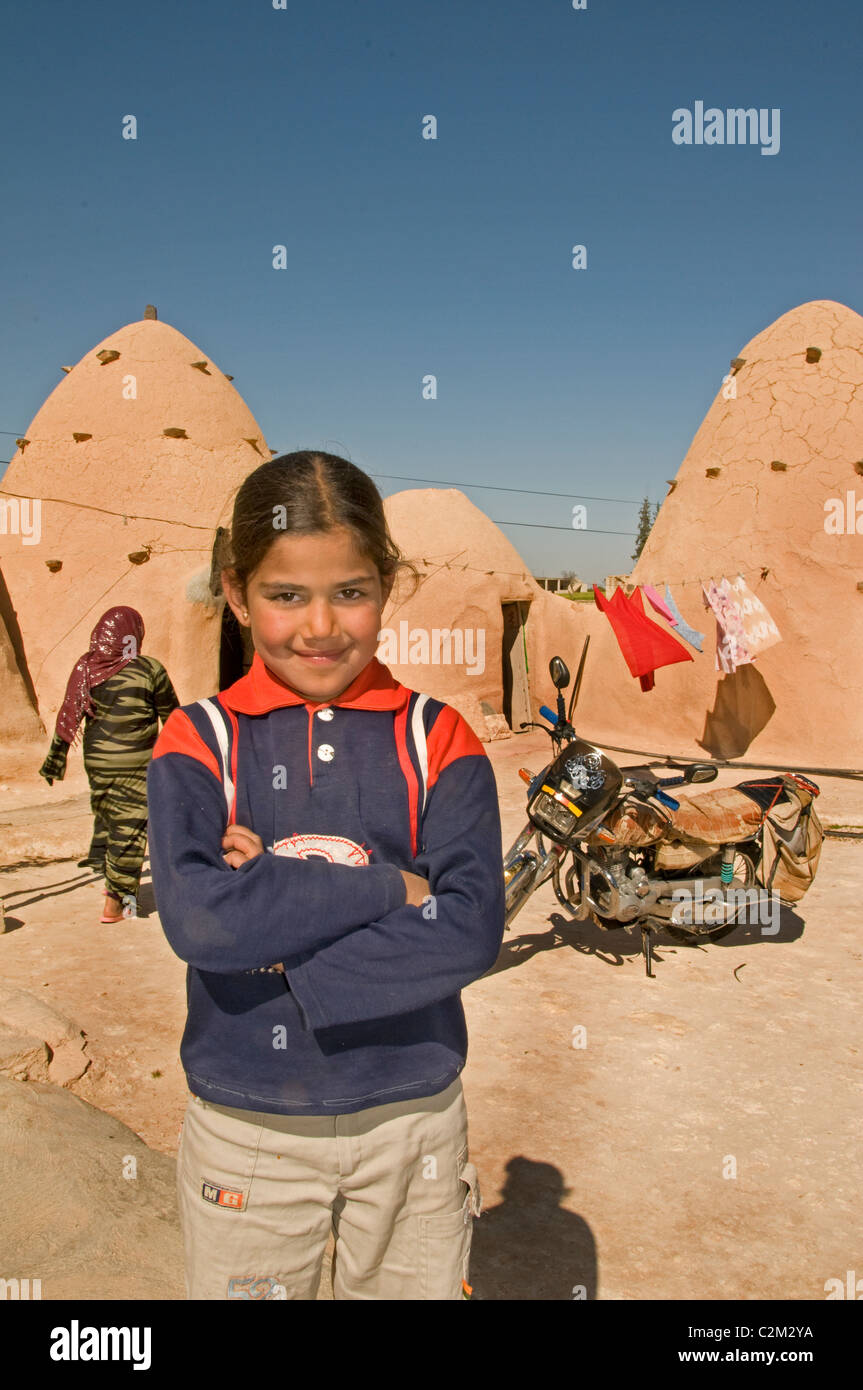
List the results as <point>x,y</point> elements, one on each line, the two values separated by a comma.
<point>19,720</point>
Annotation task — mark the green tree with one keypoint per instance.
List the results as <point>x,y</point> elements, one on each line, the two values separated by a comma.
<point>646,519</point>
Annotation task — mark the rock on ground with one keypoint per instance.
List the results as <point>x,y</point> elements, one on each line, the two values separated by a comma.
<point>72,1217</point>
<point>37,1043</point>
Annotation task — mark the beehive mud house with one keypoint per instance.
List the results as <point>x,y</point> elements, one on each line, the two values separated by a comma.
<point>138,452</point>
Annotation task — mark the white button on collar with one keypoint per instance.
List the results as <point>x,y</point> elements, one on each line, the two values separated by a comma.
<point>325,714</point>
<point>326,752</point>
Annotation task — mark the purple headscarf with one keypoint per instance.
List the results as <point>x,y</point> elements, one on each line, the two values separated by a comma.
<point>114,642</point>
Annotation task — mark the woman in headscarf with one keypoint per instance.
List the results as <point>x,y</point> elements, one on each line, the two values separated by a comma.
<point>120,696</point>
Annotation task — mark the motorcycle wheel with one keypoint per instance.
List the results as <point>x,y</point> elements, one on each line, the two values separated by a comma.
<point>744,874</point>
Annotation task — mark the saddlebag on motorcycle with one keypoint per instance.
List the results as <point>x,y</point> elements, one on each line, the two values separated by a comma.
<point>790,836</point>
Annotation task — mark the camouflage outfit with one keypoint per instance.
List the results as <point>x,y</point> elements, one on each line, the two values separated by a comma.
<point>118,741</point>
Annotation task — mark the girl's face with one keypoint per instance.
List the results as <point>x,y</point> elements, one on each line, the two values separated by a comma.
<point>314,608</point>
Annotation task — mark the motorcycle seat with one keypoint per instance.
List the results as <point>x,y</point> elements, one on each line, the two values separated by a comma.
<point>716,817</point>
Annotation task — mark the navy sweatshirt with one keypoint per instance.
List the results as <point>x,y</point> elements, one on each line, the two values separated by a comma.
<point>343,795</point>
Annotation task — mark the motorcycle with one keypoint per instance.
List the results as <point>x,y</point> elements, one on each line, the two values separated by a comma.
<point>622,851</point>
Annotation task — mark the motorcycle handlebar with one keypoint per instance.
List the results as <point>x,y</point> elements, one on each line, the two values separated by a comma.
<point>668,800</point>
<point>651,789</point>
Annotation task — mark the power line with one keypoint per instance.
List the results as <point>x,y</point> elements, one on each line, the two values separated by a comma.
<point>88,507</point>
<point>527,491</point>
<point>540,526</point>
<point>493,487</point>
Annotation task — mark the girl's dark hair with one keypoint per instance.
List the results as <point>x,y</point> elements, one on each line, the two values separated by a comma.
<point>304,492</point>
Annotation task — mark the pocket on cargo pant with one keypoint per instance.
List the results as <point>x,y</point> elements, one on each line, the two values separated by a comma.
<point>444,1242</point>
<point>219,1155</point>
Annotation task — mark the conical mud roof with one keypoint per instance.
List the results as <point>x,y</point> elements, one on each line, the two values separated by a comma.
<point>779,450</point>
<point>135,457</point>
<point>474,584</point>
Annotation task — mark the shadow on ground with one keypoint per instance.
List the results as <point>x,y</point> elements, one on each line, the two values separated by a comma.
<point>528,1246</point>
<point>616,945</point>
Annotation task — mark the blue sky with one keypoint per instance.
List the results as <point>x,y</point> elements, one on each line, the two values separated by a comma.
<point>407,256</point>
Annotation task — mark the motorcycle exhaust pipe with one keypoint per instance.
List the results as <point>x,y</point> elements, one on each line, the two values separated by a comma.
<point>522,877</point>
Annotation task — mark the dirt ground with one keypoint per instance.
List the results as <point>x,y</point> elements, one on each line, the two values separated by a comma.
<point>702,1143</point>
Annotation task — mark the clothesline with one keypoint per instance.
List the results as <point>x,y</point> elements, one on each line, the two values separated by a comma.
<point>762,572</point>
<point>744,628</point>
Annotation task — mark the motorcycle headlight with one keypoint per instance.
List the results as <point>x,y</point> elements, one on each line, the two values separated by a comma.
<point>556,813</point>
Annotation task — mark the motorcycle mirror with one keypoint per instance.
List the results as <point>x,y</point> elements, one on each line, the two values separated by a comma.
<point>702,772</point>
<point>559,672</point>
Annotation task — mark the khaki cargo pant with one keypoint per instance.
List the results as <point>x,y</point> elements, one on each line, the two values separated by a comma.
<point>260,1193</point>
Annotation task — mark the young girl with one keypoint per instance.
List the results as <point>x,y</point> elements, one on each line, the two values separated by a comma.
<point>326,855</point>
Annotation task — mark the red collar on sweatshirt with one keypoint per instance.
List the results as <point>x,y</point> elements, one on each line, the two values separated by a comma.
<point>259,691</point>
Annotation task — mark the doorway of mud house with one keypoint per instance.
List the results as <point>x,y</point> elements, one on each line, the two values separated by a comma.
<point>516,690</point>
<point>235,642</point>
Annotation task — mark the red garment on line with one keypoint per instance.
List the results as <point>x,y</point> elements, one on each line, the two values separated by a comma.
<point>645,645</point>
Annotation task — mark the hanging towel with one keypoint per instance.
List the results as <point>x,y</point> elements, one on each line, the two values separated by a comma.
<point>732,649</point>
<point>760,629</point>
<point>658,603</point>
<point>682,628</point>
<point>644,644</point>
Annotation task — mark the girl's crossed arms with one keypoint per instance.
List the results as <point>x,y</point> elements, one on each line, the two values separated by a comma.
<point>240,844</point>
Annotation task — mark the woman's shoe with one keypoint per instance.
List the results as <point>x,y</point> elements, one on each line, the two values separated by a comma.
<point>113,909</point>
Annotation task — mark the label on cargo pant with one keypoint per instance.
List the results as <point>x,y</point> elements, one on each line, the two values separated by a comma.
<point>222,1196</point>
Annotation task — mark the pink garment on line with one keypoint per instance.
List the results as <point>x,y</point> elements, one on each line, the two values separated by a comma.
<point>658,602</point>
<point>732,649</point>
<point>759,628</point>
